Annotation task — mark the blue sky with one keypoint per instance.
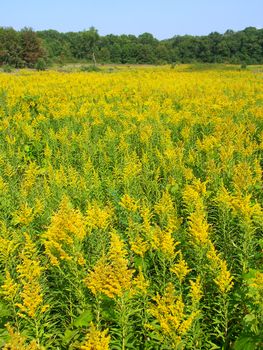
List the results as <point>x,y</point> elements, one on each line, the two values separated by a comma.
<point>162,18</point>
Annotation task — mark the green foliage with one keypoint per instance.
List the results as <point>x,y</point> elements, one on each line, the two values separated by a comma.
<point>20,48</point>
<point>25,47</point>
<point>90,68</point>
<point>95,137</point>
<point>251,336</point>
<point>7,68</point>
<point>31,47</point>
<point>243,66</point>
<point>40,64</point>
<point>249,343</point>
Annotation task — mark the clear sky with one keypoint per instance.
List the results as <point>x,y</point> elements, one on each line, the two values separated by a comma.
<point>162,18</point>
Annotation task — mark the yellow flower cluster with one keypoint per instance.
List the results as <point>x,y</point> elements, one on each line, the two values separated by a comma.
<point>9,242</point>
<point>29,275</point>
<point>96,340</point>
<point>18,342</point>
<point>26,291</point>
<point>9,288</point>
<point>111,275</point>
<point>140,284</point>
<point>167,212</point>
<point>138,245</point>
<point>107,173</point>
<point>98,217</point>
<point>255,291</point>
<point>181,268</point>
<point>24,215</point>
<point>129,203</point>
<point>163,241</point>
<point>194,195</point>
<point>169,312</point>
<point>199,228</point>
<point>223,280</point>
<point>240,205</point>
<point>196,291</point>
<point>67,226</point>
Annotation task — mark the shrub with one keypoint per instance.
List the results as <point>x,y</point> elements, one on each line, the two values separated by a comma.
<point>41,64</point>
<point>89,68</point>
<point>243,66</point>
<point>7,68</point>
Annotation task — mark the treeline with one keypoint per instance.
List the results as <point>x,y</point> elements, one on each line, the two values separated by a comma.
<point>26,47</point>
<point>21,48</point>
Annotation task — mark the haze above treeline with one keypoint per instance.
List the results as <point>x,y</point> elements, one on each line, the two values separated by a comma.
<point>26,47</point>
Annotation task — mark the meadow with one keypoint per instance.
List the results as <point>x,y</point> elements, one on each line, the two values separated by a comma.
<point>130,210</point>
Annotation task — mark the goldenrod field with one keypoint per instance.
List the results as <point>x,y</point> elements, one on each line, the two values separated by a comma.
<point>130,210</point>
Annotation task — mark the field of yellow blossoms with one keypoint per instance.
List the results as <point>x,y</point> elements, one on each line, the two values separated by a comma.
<point>130,210</point>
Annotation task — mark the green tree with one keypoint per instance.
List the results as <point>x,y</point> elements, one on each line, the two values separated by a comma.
<point>10,48</point>
<point>88,43</point>
<point>26,47</point>
<point>32,49</point>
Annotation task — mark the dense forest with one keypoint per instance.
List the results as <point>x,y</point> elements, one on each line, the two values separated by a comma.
<point>26,48</point>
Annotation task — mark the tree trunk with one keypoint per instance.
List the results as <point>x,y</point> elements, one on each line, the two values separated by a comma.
<point>94,59</point>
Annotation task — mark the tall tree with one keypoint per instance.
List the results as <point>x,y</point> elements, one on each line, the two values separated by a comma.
<point>26,47</point>
<point>88,40</point>
<point>32,48</point>
<point>10,47</point>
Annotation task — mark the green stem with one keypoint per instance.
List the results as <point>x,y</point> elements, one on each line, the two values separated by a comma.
<point>37,332</point>
<point>98,310</point>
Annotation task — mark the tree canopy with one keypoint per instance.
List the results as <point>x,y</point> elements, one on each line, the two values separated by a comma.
<point>26,47</point>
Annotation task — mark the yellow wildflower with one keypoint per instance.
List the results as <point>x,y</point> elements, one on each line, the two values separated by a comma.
<point>7,245</point>
<point>186,324</point>
<point>169,312</point>
<point>24,215</point>
<point>180,268</point>
<point>132,168</point>
<point>98,217</point>
<point>30,177</point>
<point>224,198</point>
<point>138,245</point>
<point>9,288</point>
<point>67,226</point>
<point>162,241</point>
<point>3,186</point>
<point>199,228</point>
<point>96,340</point>
<point>243,207</point>
<point>242,178</point>
<point>110,274</point>
<point>196,291</point>
<point>224,280</point>
<point>146,133</point>
<point>146,216</point>
<point>29,275</point>
<point>18,342</point>
<point>164,205</point>
<point>140,284</point>
<point>129,203</point>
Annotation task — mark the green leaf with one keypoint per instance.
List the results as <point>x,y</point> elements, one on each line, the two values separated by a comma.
<point>3,336</point>
<point>4,311</point>
<point>246,342</point>
<point>250,274</point>
<point>84,319</point>
<point>138,261</point>
<point>69,335</point>
<point>108,309</point>
<point>250,318</point>
<point>27,148</point>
